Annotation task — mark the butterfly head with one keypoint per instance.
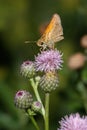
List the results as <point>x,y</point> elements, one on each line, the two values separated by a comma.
<point>41,44</point>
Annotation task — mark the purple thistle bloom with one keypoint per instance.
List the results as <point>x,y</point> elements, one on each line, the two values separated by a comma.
<point>73,122</point>
<point>49,60</point>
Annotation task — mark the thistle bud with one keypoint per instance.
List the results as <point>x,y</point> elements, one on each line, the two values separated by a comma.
<point>49,81</point>
<point>23,99</point>
<point>36,106</point>
<point>27,69</point>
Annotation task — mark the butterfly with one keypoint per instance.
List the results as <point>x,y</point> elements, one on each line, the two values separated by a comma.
<point>52,34</point>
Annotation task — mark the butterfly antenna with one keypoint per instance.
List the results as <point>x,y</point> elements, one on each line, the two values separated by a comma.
<point>30,42</point>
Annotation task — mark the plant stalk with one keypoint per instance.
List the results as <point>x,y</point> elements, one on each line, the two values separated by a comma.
<point>34,122</point>
<point>47,111</point>
<point>35,89</point>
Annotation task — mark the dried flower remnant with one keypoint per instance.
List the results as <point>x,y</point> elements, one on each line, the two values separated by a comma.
<point>49,60</point>
<point>73,122</point>
<point>76,61</point>
<point>84,41</point>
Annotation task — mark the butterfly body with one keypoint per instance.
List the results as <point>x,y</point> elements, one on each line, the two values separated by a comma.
<point>52,34</point>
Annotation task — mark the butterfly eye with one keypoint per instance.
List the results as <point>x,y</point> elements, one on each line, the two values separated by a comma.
<point>41,43</point>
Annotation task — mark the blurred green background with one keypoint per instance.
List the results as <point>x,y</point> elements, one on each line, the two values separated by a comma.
<point>21,20</point>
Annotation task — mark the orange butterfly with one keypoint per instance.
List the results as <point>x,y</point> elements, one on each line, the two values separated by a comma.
<point>52,34</point>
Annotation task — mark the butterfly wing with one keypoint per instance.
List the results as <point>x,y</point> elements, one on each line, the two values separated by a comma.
<point>53,33</point>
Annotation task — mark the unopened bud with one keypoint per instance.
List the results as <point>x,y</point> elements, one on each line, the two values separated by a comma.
<point>27,69</point>
<point>49,81</point>
<point>36,106</point>
<point>23,99</point>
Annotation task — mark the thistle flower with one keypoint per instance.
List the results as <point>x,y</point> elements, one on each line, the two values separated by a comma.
<point>84,41</point>
<point>27,69</point>
<point>23,99</point>
<point>73,122</point>
<point>76,61</point>
<point>49,81</point>
<point>49,60</point>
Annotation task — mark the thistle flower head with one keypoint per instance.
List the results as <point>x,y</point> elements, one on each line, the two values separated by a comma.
<point>23,99</point>
<point>27,69</point>
<point>36,106</point>
<point>73,122</point>
<point>76,61</point>
<point>84,41</point>
<point>49,60</point>
<point>49,81</point>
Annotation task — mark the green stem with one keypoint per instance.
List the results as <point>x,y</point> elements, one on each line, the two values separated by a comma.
<point>84,96</point>
<point>37,96</point>
<point>33,120</point>
<point>47,111</point>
